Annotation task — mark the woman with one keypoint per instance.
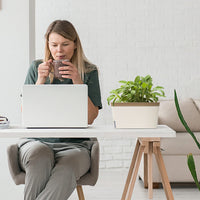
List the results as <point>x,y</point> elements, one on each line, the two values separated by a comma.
<point>53,165</point>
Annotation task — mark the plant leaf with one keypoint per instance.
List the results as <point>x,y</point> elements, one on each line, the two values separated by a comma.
<point>139,90</point>
<point>183,120</point>
<point>191,165</point>
<point>122,81</point>
<point>137,79</point>
<point>110,98</point>
<point>144,85</point>
<point>148,78</point>
<point>158,88</point>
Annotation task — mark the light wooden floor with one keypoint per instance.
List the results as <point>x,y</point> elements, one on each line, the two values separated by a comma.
<point>110,187</point>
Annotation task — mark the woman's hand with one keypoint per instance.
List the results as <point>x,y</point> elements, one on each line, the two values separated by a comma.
<point>70,71</point>
<point>43,72</point>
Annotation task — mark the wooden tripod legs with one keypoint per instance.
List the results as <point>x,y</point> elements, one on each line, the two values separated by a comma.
<point>147,146</point>
<point>133,171</point>
<point>163,172</point>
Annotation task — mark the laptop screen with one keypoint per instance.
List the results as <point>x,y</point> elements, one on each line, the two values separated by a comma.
<point>54,106</point>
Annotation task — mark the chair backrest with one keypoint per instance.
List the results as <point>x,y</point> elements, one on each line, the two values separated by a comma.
<point>18,175</point>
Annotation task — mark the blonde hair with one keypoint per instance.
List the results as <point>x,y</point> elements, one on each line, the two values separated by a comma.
<point>67,30</point>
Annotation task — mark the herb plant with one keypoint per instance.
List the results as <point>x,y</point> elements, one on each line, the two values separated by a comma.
<point>139,90</point>
<point>190,159</point>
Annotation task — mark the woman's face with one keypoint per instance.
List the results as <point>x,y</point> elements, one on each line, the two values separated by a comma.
<point>60,47</point>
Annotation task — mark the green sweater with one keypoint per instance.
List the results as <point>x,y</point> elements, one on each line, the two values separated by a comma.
<point>91,79</point>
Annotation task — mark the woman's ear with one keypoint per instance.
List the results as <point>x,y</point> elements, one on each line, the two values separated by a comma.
<point>75,44</point>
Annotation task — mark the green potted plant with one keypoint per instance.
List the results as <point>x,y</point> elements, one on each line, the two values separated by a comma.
<point>135,104</point>
<point>190,159</point>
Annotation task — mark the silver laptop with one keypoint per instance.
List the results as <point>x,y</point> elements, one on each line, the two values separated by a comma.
<point>55,106</point>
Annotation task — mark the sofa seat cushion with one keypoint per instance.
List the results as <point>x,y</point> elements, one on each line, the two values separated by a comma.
<point>177,169</point>
<point>182,144</point>
<point>190,109</point>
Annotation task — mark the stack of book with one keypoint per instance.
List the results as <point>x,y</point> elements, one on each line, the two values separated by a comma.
<point>4,122</point>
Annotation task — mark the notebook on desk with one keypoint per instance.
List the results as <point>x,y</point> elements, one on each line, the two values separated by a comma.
<point>55,106</point>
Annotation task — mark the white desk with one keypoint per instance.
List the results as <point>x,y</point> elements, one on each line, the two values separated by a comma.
<point>148,142</point>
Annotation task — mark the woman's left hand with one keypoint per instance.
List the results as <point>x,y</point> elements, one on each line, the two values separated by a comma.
<point>70,71</point>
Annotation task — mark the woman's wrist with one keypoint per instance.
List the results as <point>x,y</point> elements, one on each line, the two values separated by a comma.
<point>78,82</point>
<point>40,82</point>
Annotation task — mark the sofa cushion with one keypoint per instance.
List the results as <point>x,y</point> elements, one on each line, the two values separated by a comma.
<point>168,114</point>
<point>182,144</point>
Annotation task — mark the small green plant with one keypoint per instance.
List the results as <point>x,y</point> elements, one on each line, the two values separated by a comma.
<point>190,159</point>
<point>139,90</point>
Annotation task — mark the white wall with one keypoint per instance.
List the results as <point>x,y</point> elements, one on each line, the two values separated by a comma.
<point>129,38</point>
<point>14,56</point>
<point>123,38</point>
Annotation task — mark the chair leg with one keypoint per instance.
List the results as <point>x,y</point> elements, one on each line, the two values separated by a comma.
<point>80,192</point>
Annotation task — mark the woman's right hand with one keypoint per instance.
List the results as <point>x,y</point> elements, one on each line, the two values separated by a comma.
<point>43,72</point>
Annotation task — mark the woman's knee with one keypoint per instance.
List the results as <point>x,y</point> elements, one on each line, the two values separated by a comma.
<point>74,162</point>
<point>38,154</point>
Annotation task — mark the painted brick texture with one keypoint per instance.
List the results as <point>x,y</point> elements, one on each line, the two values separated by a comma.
<point>129,38</point>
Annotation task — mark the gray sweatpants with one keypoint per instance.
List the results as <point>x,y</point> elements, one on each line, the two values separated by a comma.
<point>52,169</point>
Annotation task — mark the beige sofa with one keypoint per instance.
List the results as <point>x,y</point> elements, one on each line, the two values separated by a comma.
<point>175,150</point>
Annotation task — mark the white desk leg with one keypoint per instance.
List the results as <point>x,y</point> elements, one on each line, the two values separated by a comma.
<point>130,170</point>
<point>163,172</point>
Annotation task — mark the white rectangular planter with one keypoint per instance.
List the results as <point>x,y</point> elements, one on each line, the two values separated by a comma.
<point>135,115</point>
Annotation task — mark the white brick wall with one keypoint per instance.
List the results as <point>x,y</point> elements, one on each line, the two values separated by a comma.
<point>131,37</point>
<point>116,153</point>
